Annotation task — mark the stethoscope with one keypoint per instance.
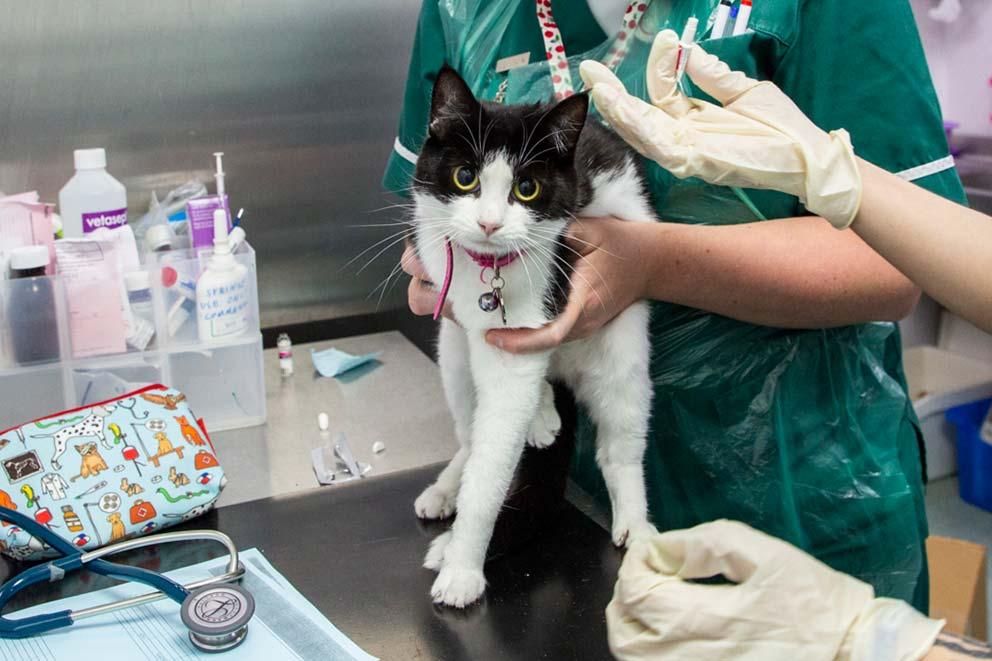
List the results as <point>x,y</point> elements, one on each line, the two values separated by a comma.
<point>215,611</point>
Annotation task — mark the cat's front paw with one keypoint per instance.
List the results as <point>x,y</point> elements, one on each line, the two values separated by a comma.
<point>626,532</point>
<point>435,503</point>
<point>458,587</point>
<point>545,426</point>
<point>435,554</point>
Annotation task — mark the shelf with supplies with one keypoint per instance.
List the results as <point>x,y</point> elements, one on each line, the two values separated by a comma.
<point>42,370</point>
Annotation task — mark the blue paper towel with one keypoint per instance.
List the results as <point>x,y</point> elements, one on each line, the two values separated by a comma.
<point>333,362</point>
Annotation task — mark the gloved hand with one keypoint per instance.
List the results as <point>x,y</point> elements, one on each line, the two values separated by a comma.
<point>759,138</point>
<point>783,604</point>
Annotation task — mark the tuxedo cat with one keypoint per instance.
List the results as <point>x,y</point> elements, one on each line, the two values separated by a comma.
<point>500,184</point>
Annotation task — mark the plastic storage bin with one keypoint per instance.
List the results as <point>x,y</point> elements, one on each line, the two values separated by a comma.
<point>939,380</point>
<point>223,380</point>
<point>974,454</point>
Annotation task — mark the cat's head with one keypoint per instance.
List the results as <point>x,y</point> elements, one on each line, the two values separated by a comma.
<point>496,178</point>
<point>86,448</point>
<point>181,419</point>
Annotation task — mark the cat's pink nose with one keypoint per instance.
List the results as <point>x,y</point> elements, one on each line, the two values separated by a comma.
<point>489,228</point>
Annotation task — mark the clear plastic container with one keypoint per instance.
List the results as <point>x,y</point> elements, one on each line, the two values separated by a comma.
<point>224,381</point>
<point>974,454</point>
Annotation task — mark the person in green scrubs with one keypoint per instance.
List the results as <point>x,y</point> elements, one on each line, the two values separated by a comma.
<point>779,397</point>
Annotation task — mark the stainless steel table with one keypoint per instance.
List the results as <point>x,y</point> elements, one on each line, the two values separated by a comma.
<point>355,551</point>
<point>399,402</point>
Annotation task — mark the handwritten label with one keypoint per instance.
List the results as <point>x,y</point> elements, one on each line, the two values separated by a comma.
<point>512,62</point>
<point>225,308</point>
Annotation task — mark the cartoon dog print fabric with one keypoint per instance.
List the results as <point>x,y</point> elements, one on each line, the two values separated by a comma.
<point>97,475</point>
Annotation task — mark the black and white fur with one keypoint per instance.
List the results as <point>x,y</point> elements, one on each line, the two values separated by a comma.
<point>500,401</point>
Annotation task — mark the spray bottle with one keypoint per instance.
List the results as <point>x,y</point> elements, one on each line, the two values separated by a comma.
<point>222,290</point>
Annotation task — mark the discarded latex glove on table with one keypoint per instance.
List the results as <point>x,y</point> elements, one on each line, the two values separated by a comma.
<point>780,604</point>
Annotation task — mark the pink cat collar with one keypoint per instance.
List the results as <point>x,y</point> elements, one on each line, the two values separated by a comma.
<point>449,266</point>
<point>492,261</point>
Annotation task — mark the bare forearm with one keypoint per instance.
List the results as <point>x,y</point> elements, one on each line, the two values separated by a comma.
<point>950,647</point>
<point>790,273</point>
<point>942,246</point>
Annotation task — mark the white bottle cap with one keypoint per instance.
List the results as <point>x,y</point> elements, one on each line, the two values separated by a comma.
<point>28,257</point>
<point>137,281</point>
<point>158,237</point>
<point>236,238</point>
<point>323,422</point>
<point>689,31</point>
<point>90,159</point>
<point>220,232</point>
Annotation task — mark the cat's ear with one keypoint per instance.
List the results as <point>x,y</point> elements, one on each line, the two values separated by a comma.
<point>564,123</point>
<point>450,100</point>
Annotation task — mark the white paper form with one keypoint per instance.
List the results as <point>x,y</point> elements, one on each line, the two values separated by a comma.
<point>94,288</point>
<point>285,625</point>
<point>25,221</point>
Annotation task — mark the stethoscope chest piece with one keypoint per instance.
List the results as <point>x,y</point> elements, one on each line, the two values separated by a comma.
<point>217,617</point>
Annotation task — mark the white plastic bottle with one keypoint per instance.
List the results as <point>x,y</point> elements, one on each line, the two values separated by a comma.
<point>285,346</point>
<point>92,198</point>
<point>222,290</point>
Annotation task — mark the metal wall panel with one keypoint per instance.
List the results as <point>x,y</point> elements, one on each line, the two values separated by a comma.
<point>303,96</point>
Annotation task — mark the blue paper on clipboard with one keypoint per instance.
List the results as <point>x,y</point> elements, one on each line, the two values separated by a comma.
<point>334,362</point>
<point>285,626</point>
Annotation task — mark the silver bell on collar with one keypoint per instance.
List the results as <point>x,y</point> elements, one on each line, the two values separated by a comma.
<point>489,301</point>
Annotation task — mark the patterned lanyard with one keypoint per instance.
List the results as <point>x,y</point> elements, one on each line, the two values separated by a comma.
<point>561,77</point>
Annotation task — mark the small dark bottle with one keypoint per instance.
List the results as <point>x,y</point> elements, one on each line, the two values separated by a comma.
<point>31,311</point>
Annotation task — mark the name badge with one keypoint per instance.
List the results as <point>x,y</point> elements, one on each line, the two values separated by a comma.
<point>512,62</point>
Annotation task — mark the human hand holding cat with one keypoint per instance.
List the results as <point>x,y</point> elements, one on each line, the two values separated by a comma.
<point>421,294</point>
<point>609,275</point>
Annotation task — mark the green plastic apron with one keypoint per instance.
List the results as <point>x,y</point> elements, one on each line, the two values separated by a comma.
<point>807,435</point>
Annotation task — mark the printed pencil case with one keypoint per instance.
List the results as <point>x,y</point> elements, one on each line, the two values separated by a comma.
<point>106,472</point>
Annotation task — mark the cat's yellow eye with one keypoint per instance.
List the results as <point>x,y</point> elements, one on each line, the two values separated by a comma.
<point>526,189</point>
<point>465,178</point>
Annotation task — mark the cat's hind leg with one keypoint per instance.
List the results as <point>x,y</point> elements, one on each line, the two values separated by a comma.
<point>615,387</point>
<point>437,501</point>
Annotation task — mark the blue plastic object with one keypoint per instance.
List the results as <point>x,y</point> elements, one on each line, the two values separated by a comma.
<point>974,454</point>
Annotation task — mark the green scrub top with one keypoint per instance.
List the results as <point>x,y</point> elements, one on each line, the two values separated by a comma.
<point>808,435</point>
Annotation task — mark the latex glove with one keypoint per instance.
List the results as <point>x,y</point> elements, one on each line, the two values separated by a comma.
<point>784,604</point>
<point>759,138</point>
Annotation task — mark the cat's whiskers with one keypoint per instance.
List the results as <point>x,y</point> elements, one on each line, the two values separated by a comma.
<point>522,154</point>
<point>393,240</point>
<point>384,283</point>
<point>553,281</point>
<point>474,143</point>
<point>380,253</point>
<point>557,258</point>
<point>424,221</point>
<point>557,240</point>
<point>523,262</point>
